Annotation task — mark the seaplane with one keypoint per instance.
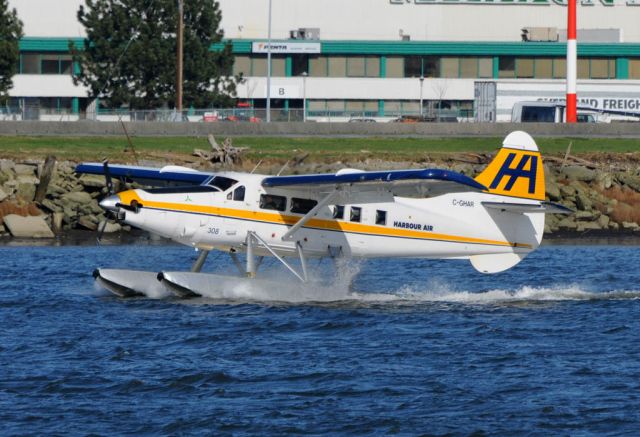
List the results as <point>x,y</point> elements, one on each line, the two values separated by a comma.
<point>494,220</point>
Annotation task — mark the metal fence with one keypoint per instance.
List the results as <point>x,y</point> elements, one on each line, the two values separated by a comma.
<point>253,115</point>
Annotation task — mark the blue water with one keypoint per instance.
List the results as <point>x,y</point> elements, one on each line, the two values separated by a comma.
<point>414,347</point>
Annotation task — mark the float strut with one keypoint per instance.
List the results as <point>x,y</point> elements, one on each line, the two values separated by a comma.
<point>251,257</point>
<point>303,261</point>
<point>197,265</point>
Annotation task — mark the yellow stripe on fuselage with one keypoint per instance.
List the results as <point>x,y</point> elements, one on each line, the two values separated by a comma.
<point>127,197</point>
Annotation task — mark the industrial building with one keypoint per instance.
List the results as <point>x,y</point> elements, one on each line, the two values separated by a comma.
<point>467,59</point>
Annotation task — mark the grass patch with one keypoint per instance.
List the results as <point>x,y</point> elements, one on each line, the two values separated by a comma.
<point>281,148</point>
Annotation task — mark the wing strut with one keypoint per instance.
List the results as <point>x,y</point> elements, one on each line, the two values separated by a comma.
<point>308,216</point>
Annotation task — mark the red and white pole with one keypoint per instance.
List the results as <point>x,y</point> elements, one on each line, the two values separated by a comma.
<point>572,62</point>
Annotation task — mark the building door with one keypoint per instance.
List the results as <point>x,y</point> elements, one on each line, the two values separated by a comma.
<point>485,102</point>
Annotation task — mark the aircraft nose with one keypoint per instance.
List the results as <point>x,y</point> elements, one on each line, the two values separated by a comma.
<point>110,203</point>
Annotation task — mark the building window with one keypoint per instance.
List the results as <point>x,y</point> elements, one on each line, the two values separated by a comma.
<point>299,64</point>
<point>485,67</point>
<point>338,212</point>
<point>507,67</point>
<point>543,68</point>
<point>381,217</point>
<point>50,65</point>
<point>372,66</point>
<point>356,66</point>
<point>395,66</point>
<point>30,64</point>
<point>469,67</point>
<point>337,66</point>
<point>524,67</point>
<point>431,66</point>
<point>270,201</point>
<point>412,66</point>
<point>318,66</point>
<point>356,214</point>
<point>634,68</point>
<point>583,69</point>
<point>66,65</point>
<point>242,65</point>
<point>602,68</point>
<point>559,68</point>
<point>302,206</point>
<point>449,67</point>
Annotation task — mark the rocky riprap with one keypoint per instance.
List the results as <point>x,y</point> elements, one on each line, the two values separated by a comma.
<point>604,199</point>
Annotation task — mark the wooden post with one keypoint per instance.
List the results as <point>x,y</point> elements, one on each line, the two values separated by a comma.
<point>45,178</point>
<point>179,60</point>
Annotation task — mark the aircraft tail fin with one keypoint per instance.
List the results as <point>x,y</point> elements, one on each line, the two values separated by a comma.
<point>517,169</point>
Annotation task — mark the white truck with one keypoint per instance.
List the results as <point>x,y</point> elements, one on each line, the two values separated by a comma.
<point>553,112</point>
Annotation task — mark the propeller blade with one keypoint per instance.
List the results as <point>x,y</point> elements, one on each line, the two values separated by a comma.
<point>107,177</point>
<point>101,230</point>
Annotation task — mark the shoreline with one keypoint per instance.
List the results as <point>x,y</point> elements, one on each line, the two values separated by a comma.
<point>77,237</point>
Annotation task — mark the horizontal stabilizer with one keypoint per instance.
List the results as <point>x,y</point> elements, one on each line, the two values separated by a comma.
<point>496,263</point>
<point>540,207</point>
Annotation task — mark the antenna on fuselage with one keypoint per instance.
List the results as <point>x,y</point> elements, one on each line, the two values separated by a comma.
<point>286,164</point>
<point>256,167</point>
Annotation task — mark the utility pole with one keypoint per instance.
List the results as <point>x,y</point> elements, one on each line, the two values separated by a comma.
<point>269,66</point>
<point>572,62</point>
<point>180,37</point>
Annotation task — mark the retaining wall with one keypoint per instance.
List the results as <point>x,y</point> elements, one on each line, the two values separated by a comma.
<point>97,128</point>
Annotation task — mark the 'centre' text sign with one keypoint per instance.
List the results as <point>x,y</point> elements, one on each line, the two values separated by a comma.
<point>286,47</point>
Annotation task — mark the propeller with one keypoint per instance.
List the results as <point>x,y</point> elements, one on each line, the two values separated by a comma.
<point>110,192</point>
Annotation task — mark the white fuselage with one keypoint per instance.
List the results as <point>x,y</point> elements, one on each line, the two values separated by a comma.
<point>454,225</point>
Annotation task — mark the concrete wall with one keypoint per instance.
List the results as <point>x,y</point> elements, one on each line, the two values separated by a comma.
<point>92,128</point>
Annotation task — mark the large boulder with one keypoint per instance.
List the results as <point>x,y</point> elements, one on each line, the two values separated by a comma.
<point>80,197</point>
<point>631,181</point>
<point>579,173</point>
<point>94,181</point>
<point>27,227</point>
<point>25,169</point>
<point>25,191</point>
<point>109,228</point>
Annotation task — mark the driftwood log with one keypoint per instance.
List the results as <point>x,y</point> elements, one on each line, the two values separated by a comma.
<point>225,154</point>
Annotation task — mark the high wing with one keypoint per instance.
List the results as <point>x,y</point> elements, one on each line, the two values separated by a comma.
<point>357,186</point>
<point>168,175</point>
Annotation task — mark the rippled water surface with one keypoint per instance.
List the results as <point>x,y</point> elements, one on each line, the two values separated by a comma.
<point>413,346</point>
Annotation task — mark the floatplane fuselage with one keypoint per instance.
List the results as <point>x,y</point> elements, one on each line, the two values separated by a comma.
<point>494,220</point>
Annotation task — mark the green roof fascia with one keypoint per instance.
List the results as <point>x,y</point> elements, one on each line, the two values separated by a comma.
<point>476,48</point>
<point>354,47</point>
<point>462,48</point>
<point>239,46</point>
<point>45,44</point>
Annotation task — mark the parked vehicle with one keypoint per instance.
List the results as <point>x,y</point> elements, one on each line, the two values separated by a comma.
<point>552,112</point>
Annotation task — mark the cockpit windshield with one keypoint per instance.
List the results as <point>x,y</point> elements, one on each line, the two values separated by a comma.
<point>222,183</point>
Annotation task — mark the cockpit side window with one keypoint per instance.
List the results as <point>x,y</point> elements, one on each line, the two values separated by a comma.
<point>222,183</point>
<point>238,193</point>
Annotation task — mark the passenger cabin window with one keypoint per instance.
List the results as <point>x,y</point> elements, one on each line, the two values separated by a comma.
<point>356,214</point>
<point>238,193</point>
<point>270,201</point>
<point>222,183</point>
<point>338,212</point>
<point>302,206</point>
<point>381,217</point>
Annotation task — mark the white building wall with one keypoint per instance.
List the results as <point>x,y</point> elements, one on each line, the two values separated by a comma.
<point>366,19</point>
<point>382,20</point>
<point>358,88</point>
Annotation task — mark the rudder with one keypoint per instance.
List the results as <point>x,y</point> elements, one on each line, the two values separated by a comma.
<point>517,169</point>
